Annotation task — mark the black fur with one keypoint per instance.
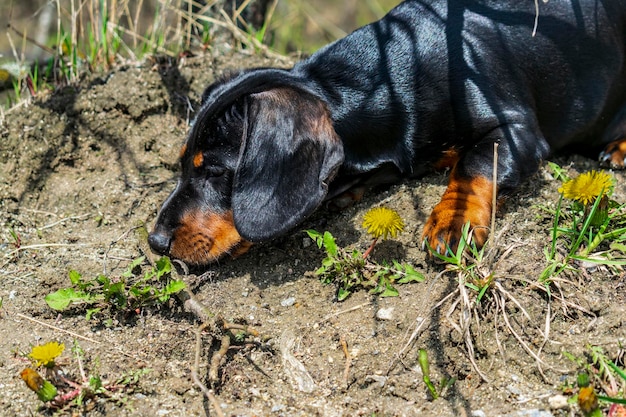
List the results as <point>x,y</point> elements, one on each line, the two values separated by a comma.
<point>429,77</point>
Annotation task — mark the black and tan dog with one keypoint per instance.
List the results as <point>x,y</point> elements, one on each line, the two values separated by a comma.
<point>434,83</point>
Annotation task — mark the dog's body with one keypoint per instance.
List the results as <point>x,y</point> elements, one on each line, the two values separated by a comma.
<point>435,83</point>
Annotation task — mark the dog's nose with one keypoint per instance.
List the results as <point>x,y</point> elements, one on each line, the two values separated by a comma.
<point>160,242</point>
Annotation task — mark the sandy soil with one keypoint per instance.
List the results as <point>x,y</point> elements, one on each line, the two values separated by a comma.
<point>83,171</point>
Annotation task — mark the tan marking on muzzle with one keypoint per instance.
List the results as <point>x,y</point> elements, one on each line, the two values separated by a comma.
<point>204,237</point>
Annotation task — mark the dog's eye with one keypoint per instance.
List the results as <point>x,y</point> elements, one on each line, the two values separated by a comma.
<point>214,171</point>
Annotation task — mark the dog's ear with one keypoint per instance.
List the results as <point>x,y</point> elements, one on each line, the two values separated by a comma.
<point>290,152</point>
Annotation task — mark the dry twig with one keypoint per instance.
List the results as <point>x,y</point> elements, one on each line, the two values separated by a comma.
<point>346,370</point>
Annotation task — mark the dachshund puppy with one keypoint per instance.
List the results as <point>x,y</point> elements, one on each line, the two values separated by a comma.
<point>433,84</point>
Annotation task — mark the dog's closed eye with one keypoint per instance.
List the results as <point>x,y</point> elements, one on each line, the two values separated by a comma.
<point>214,171</point>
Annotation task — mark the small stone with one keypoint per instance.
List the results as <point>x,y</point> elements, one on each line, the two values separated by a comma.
<point>385,314</point>
<point>288,302</point>
<point>558,402</point>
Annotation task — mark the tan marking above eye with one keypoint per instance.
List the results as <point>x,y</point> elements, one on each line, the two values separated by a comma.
<point>198,159</point>
<point>182,151</point>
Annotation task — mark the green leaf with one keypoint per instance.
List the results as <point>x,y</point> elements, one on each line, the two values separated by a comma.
<point>329,244</point>
<point>389,291</point>
<point>326,279</point>
<point>164,266</point>
<point>115,293</point>
<point>481,293</point>
<point>411,275</point>
<point>61,299</point>
<point>95,383</point>
<point>115,289</point>
<point>174,287</point>
<point>328,262</point>
<point>162,297</point>
<point>559,173</point>
<point>75,277</point>
<point>139,292</point>
<point>342,294</point>
<point>602,261</point>
<point>612,400</point>
<point>321,270</point>
<point>132,377</point>
<point>316,237</point>
<point>103,279</point>
<point>424,364</point>
<point>91,312</point>
<point>617,370</point>
<point>422,359</point>
<point>129,270</point>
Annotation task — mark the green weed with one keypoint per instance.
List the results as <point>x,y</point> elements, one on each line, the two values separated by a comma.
<point>16,239</point>
<point>467,263</point>
<point>592,232</point>
<point>351,271</point>
<point>599,374</point>
<point>126,293</point>
<point>62,390</point>
<point>444,384</point>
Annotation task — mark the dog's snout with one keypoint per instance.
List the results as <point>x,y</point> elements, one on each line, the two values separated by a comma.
<point>160,242</point>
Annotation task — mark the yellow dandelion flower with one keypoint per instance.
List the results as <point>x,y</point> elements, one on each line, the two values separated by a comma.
<point>46,354</point>
<point>381,221</point>
<point>586,187</point>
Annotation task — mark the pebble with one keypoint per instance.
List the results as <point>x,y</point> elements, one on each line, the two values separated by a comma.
<point>288,302</point>
<point>385,314</point>
<point>558,402</point>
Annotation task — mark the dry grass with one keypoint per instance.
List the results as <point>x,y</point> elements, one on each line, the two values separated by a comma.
<point>76,36</point>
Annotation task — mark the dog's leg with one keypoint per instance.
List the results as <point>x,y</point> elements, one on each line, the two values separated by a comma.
<point>467,199</point>
<point>469,196</point>
<point>614,153</point>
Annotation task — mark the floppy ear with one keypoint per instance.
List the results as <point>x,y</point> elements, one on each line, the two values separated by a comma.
<point>290,152</point>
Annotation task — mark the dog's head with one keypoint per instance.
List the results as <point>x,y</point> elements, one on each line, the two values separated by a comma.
<point>257,161</point>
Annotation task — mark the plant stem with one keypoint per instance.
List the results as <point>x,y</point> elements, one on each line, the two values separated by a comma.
<point>369,250</point>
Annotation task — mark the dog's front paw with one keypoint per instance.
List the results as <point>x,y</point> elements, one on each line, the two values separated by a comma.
<point>465,201</point>
<point>614,155</point>
<point>443,230</point>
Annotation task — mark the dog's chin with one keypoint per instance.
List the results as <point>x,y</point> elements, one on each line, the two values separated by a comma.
<point>200,257</point>
<point>204,238</point>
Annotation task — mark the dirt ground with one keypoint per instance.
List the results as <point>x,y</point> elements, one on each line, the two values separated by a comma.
<point>83,167</point>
